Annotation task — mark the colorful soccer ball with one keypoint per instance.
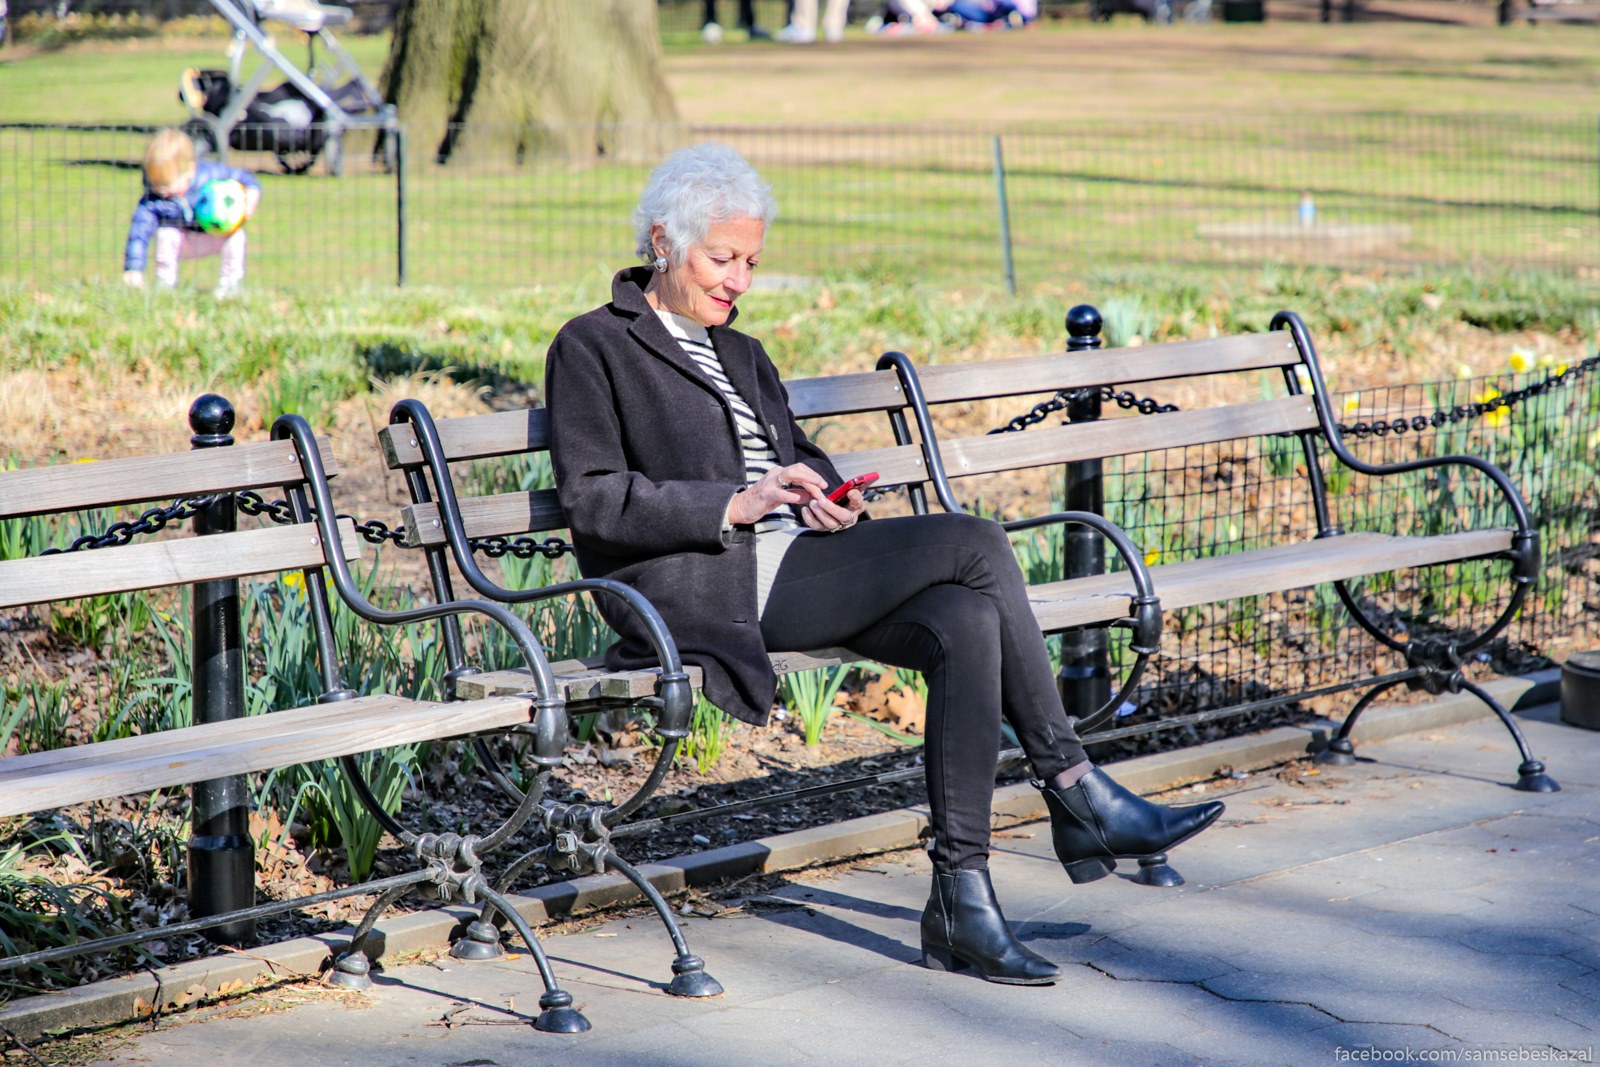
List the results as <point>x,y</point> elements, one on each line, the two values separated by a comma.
<point>220,207</point>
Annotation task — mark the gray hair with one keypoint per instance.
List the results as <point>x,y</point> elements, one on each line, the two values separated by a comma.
<point>694,188</point>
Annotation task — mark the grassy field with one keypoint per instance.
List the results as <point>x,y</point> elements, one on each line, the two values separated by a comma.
<point>1422,145</point>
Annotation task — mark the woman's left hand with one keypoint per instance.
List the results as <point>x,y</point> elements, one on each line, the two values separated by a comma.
<point>820,513</point>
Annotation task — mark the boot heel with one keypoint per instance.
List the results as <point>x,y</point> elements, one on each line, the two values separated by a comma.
<point>1090,870</point>
<point>940,959</point>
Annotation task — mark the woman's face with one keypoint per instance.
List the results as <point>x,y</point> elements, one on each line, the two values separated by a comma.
<point>714,273</point>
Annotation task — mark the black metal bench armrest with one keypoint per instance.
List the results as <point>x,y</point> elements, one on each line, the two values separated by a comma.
<point>1145,617</point>
<point>550,720</point>
<point>1524,550</point>
<point>674,698</point>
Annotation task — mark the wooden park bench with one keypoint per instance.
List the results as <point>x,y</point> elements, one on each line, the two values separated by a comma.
<point>1302,412</point>
<point>923,461</point>
<point>443,524</point>
<point>223,742</point>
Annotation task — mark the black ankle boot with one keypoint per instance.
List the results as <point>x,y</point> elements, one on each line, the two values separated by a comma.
<point>962,927</point>
<point>1095,822</point>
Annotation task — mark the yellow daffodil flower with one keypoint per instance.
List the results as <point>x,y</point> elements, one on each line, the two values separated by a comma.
<point>1497,417</point>
<point>1521,361</point>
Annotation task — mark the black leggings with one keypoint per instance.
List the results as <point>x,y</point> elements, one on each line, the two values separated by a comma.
<point>941,594</point>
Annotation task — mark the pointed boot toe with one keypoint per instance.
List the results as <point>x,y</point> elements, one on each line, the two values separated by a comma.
<point>1094,822</point>
<point>962,928</point>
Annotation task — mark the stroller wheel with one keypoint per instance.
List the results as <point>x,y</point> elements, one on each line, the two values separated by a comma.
<point>296,162</point>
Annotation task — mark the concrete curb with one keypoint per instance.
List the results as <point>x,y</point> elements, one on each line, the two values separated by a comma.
<point>139,996</point>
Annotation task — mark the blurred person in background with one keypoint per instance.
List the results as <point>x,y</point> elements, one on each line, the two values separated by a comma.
<point>988,14</point>
<point>905,16</point>
<point>802,28</point>
<point>711,29</point>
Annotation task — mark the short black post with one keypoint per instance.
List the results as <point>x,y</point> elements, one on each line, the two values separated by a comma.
<point>222,862</point>
<point>1085,676</point>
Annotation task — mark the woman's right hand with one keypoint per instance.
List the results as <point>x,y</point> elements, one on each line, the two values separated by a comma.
<point>772,491</point>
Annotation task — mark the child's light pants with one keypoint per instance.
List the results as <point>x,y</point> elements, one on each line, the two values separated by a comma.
<point>173,244</point>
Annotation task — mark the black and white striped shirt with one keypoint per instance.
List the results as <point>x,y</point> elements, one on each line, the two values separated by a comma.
<point>759,456</point>
<point>777,529</point>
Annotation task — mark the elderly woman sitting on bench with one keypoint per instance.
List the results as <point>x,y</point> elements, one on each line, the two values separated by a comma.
<point>683,473</point>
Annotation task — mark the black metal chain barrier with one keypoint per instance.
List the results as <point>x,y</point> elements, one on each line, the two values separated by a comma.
<point>278,511</point>
<point>148,522</point>
<point>1476,409</point>
<point>1124,399</point>
<point>375,532</point>
<point>1377,428</point>
<point>521,547</point>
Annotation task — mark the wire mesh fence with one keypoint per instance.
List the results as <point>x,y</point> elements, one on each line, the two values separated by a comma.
<point>501,207</point>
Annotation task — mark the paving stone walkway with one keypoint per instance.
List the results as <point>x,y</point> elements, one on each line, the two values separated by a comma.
<point>1412,908</point>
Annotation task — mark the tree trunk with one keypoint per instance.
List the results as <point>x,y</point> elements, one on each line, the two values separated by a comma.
<point>513,78</point>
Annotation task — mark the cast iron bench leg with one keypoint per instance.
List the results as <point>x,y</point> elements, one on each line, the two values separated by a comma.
<point>481,940</point>
<point>689,977</point>
<point>1531,776</point>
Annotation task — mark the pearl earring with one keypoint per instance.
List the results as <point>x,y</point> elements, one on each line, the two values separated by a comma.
<point>660,264</point>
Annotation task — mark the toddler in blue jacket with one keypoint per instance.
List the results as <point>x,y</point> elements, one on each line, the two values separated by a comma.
<point>164,227</point>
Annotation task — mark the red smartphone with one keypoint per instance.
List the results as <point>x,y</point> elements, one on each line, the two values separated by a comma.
<point>860,481</point>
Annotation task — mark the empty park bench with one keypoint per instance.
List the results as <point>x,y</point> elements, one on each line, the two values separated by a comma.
<point>223,743</point>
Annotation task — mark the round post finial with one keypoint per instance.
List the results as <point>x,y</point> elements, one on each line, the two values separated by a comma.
<point>1083,327</point>
<point>211,418</point>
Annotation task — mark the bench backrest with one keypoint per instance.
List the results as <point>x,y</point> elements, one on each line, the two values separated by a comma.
<point>167,561</point>
<point>512,433</point>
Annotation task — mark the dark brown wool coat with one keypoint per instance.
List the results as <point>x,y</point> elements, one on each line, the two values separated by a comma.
<point>646,458</point>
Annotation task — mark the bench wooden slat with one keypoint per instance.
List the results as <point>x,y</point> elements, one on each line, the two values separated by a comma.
<point>471,437</point>
<point>113,482</point>
<point>1124,436</point>
<point>1100,599</point>
<point>538,510</point>
<point>177,561</point>
<point>1118,366</point>
<point>590,680</point>
<point>501,515</point>
<point>1084,601</point>
<point>844,394</point>
<point>507,432</point>
<point>44,780</point>
<point>576,681</point>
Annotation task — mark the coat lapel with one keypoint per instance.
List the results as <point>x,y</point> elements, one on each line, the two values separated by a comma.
<point>627,296</point>
<point>732,348</point>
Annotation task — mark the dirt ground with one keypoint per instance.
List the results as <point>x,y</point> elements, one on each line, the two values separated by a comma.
<point>1413,55</point>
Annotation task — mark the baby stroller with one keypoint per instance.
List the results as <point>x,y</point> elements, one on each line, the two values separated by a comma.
<point>304,117</point>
